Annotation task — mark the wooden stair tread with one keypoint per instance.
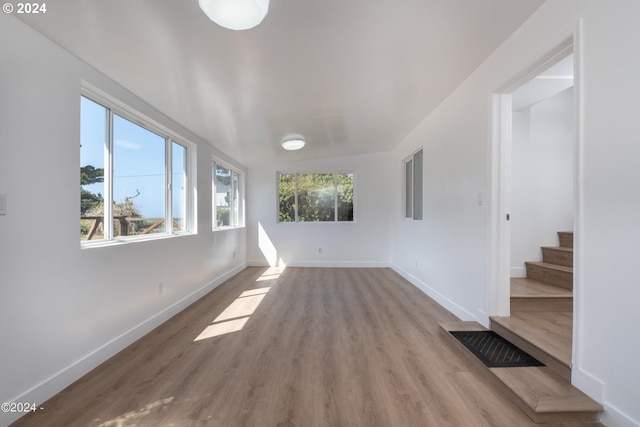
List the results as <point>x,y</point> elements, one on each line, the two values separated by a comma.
<point>530,288</point>
<point>551,266</point>
<point>558,248</point>
<point>551,332</point>
<point>542,394</point>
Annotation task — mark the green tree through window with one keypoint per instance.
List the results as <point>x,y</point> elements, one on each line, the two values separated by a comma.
<point>315,197</point>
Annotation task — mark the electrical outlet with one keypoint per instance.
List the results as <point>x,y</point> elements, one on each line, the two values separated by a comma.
<point>160,288</point>
<point>3,204</point>
<point>319,250</point>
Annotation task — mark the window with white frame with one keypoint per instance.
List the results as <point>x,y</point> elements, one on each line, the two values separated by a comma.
<point>315,197</point>
<point>134,176</point>
<point>413,185</point>
<point>227,206</point>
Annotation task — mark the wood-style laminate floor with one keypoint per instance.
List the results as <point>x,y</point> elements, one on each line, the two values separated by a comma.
<point>304,347</point>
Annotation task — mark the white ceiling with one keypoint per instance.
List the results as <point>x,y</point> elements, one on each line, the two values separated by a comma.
<point>352,76</point>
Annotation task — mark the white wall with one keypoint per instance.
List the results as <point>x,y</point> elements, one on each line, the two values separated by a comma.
<point>451,243</point>
<point>364,243</point>
<point>541,178</point>
<point>64,309</point>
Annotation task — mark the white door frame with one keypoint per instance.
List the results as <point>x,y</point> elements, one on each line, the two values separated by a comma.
<point>500,175</point>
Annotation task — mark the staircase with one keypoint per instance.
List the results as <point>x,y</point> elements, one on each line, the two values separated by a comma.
<point>541,323</point>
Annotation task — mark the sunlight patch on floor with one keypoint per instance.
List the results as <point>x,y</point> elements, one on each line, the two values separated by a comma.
<point>235,316</point>
<point>129,418</point>
<point>222,328</point>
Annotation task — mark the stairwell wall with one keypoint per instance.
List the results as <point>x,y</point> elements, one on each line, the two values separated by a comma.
<point>541,177</point>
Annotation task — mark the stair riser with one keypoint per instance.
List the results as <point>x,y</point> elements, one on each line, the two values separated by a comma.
<point>566,239</point>
<point>559,257</point>
<point>561,279</point>
<point>541,304</point>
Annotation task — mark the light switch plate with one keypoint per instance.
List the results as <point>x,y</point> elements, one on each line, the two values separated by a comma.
<point>3,204</point>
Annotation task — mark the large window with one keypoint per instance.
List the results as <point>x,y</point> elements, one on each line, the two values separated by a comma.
<point>413,186</point>
<point>141,171</point>
<point>315,197</point>
<point>227,206</point>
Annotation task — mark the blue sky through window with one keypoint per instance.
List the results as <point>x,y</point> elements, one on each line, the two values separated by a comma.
<point>138,159</point>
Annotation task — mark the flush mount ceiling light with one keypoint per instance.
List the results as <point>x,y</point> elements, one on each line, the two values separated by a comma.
<point>293,143</point>
<point>235,14</point>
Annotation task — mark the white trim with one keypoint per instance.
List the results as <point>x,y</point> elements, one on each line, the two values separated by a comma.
<point>582,379</point>
<point>613,416</point>
<point>590,385</point>
<point>595,389</point>
<point>445,302</point>
<point>518,272</point>
<point>499,228</point>
<point>322,264</point>
<point>57,382</point>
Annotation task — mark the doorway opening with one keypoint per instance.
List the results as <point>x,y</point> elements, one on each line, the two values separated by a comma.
<point>535,169</point>
<point>535,144</point>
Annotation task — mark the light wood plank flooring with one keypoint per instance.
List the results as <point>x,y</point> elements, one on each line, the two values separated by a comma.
<point>311,347</point>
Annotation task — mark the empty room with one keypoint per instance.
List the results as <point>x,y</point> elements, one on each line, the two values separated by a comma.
<point>319,213</point>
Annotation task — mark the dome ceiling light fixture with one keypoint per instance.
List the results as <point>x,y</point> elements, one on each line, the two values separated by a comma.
<point>293,143</point>
<point>235,14</point>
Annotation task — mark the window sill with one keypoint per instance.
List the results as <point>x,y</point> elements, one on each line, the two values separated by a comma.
<point>318,222</point>
<point>126,240</point>
<point>227,228</point>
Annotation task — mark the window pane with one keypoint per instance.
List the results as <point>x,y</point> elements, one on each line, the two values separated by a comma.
<point>408,189</point>
<point>316,197</point>
<point>417,185</point>
<point>93,141</point>
<point>179,186</point>
<point>345,196</point>
<point>287,197</point>
<point>138,179</point>
<point>222,196</point>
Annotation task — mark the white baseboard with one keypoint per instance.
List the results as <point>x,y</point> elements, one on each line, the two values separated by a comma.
<point>518,272</point>
<point>587,383</point>
<point>62,379</point>
<point>325,264</point>
<point>454,308</point>
<point>595,389</point>
<point>614,417</point>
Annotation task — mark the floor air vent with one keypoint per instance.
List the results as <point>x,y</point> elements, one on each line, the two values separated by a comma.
<point>493,350</point>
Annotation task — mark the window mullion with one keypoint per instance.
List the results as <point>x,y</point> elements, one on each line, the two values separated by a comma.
<point>232,198</point>
<point>214,204</point>
<point>168,194</point>
<point>108,232</point>
<point>295,198</point>
<point>335,197</point>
